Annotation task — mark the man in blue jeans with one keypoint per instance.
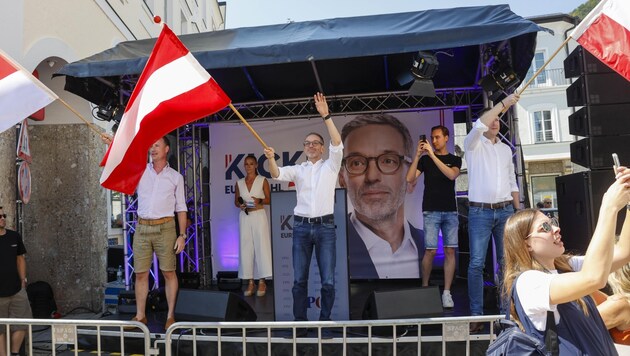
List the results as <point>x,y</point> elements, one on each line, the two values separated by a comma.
<point>439,206</point>
<point>492,193</point>
<point>313,222</point>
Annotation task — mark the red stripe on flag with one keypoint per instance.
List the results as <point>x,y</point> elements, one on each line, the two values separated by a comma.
<point>610,42</point>
<point>170,49</point>
<point>6,68</point>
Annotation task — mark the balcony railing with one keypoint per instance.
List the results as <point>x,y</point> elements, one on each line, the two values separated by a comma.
<point>547,78</point>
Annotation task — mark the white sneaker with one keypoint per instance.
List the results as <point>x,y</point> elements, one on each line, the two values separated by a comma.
<point>447,300</point>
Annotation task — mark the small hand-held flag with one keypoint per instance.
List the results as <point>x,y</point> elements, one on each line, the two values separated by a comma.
<point>21,94</point>
<point>605,32</point>
<point>173,90</point>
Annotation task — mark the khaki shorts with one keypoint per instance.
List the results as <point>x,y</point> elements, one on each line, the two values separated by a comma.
<point>154,238</point>
<point>15,307</point>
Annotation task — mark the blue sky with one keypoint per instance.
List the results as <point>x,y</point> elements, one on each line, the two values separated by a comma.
<point>245,13</point>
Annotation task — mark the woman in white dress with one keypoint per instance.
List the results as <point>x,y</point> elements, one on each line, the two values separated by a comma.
<point>251,194</point>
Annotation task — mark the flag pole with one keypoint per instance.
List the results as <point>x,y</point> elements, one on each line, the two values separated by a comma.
<point>90,125</point>
<point>553,55</point>
<point>248,126</point>
<point>544,65</point>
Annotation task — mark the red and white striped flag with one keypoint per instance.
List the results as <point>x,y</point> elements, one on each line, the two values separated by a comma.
<point>21,94</point>
<point>173,90</point>
<point>605,32</point>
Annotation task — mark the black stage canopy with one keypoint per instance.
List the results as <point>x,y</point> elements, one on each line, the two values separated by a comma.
<point>358,55</point>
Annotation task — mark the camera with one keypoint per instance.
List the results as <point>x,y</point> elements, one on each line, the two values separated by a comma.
<point>423,138</point>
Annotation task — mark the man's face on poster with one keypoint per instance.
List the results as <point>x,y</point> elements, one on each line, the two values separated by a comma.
<point>374,194</point>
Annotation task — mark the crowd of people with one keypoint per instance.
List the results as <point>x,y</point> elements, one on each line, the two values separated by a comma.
<point>373,158</point>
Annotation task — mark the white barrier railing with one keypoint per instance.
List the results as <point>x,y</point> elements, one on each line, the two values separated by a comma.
<point>66,332</point>
<point>350,337</point>
<point>360,337</point>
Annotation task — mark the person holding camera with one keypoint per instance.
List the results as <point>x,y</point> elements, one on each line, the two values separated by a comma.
<point>439,206</point>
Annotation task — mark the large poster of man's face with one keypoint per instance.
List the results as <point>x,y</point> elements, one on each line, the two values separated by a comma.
<point>385,238</point>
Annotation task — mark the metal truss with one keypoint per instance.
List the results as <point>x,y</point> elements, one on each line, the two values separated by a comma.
<point>191,149</point>
<point>456,98</point>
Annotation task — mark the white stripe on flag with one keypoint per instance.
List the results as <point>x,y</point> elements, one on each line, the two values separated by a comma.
<point>167,82</point>
<point>616,10</point>
<point>19,98</point>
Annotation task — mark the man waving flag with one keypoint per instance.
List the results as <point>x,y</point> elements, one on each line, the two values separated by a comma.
<point>173,90</point>
<point>605,32</point>
<point>21,94</point>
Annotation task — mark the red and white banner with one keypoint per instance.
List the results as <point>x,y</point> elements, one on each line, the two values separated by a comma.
<point>605,32</point>
<point>21,94</point>
<point>173,90</point>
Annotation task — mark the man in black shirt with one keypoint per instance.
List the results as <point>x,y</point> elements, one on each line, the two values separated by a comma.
<point>439,207</point>
<point>13,299</point>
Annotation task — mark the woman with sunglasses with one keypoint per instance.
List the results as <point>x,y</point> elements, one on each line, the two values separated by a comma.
<point>539,277</point>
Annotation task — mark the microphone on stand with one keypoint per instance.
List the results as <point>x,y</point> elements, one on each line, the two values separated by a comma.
<point>240,201</point>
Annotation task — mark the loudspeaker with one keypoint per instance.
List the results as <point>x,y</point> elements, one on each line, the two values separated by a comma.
<point>600,120</point>
<point>595,152</point>
<point>205,305</point>
<point>598,89</point>
<point>228,280</point>
<point>403,304</point>
<point>579,198</point>
<point>581,61</point>
<point>115,258</point>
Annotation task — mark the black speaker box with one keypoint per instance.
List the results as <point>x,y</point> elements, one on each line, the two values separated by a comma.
<point>204,305</point>
<point>601,120</point>
<point>115,258</point>
<point>598,89</point>
<point>403,304</point>
<point>595,152</point>
<point>579,198</point>
<point>580,61</point>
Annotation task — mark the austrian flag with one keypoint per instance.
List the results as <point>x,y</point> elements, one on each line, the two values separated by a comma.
<point>173,90</point>
<point>21,94</point>
<point>605,32</point>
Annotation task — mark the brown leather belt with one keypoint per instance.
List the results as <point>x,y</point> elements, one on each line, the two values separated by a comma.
<point>500,205</point>
<point>142,221</point>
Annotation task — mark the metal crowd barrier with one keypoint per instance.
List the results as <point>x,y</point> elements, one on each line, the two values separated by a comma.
<point>350,337</point>
<point>65,332</point>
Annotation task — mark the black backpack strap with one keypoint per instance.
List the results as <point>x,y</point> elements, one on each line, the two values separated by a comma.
<point>551,335</point>
<point>551,332</point>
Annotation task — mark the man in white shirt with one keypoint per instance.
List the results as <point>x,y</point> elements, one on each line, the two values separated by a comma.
<point>160,195</point>
<point>381,243</point>
<point>492,193</point>
<point>313,221</point>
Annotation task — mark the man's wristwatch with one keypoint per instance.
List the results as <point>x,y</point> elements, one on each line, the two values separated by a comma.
<point>182,235</point>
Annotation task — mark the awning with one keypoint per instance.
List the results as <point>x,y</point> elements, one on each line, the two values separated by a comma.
<point>364,54</point>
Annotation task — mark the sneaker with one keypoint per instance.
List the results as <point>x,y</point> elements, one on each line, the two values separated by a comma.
<point>447,300</point>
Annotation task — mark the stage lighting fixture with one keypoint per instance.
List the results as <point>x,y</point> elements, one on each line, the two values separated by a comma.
<point>499,81</point>
<point>424,67</point>
<point>107,112</point>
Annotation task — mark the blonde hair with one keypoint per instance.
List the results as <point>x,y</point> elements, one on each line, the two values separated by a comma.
<point>619,281</point>
<point>518,259</point>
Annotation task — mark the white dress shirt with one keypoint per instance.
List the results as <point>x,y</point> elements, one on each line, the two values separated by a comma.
<point>315,183</point>
<point>491,177</point>
<point>400,264</point>
<point>160,195</point>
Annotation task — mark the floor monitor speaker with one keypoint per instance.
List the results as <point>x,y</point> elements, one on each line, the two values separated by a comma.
<point>403,304</point>
<point>205,305</point>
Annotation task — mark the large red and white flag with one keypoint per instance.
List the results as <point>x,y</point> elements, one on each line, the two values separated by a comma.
<point>21,94</point>
<point>605,32</point>
<point>173,90</point>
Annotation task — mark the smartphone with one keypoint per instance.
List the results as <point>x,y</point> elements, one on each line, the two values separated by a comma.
<point>423,137</point>
<point>615,162</point>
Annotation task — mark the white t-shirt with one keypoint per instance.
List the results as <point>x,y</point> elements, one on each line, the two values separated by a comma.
<point>532,288</point>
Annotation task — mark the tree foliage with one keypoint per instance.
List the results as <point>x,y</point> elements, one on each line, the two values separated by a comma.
<point>583,10</point>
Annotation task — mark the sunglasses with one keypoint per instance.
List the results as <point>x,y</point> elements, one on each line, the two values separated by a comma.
<point>547,226</point>
<point>4,216</point>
